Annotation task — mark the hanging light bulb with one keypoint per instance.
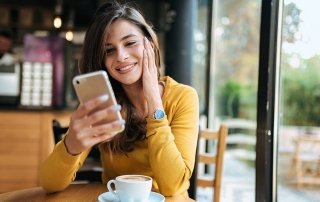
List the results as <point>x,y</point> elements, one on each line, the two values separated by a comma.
<point>57,21</point>
<point>69,35</point>
<point>70,25</point>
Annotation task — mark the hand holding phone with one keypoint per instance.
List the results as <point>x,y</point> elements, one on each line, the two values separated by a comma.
<point>95,84</point>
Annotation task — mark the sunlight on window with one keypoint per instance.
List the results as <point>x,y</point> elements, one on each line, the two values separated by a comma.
<point>306,35</point>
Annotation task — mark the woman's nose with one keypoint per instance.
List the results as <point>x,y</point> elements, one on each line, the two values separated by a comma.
<point>122,55</point>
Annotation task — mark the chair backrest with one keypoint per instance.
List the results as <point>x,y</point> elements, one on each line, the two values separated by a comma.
<point>306,161</point>
<point>211,158</point>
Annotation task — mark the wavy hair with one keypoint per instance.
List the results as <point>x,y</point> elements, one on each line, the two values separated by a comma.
<point>93,57</point>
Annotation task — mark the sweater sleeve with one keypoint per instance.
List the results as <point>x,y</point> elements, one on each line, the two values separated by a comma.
<point>60,168</point>
<point>172,145</point>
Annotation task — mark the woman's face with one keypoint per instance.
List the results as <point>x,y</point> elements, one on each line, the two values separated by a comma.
<point>124,51</point>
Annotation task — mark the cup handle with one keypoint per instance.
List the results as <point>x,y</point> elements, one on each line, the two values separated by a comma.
<point>110,182</point>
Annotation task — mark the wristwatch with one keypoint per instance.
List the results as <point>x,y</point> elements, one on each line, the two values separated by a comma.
<point>158,114</point>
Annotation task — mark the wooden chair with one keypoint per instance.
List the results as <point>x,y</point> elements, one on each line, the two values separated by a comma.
<point>207,159</point>
<point>306,160</point>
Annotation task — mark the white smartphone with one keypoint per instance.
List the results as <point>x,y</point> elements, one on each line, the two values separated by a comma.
<point>94,84</point>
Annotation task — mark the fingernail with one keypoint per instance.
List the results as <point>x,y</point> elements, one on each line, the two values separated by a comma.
<point>104,97</point>
<point>117,107</point>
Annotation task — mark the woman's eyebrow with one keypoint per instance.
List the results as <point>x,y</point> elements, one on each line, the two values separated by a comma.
<point>124,38</point>
<point>128,36</point>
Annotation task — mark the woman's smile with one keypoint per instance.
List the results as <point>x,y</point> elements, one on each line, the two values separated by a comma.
<point>125,68</point>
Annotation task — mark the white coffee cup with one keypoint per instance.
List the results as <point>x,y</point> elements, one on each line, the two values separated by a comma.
<point>131,188</point>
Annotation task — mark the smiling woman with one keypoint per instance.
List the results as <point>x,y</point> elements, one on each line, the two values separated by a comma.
<point>160,115</point>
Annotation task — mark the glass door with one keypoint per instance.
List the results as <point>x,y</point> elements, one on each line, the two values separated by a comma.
<point>299,118</point>
<point>233,38</point>
<point>274,126</point>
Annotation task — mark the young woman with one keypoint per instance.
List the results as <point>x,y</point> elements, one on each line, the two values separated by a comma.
<point>160,115</point>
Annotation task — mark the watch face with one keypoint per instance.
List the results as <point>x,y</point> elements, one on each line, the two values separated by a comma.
<point>158,114</point>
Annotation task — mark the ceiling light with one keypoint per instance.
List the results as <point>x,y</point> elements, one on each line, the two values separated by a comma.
<point>57,22</point>
<point>69,36</point>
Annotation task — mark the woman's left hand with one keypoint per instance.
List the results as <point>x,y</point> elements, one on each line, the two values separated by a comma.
<point>150,78</point>
<point>150,74</point>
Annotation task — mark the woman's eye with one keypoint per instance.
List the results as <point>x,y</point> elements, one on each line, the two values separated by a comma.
<point>131,43</point>
<point>109,51</point>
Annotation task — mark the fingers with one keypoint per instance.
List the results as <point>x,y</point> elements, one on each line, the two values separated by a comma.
<point>149,54</point>
<point>101,116</point>
<point>108,128</point>
<point>145,61</point>
<point>84,115</point>
<point>107,114</point>
<point>91,121</point>
<point>107,131</point>
<point>78,140</point>
<point>102,133</point>
<point>149,50</point>
<point>90,105</point>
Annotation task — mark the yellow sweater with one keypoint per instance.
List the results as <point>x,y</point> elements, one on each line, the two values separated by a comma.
<point>167,154</point>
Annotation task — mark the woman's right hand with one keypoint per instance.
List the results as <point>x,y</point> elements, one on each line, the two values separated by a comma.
<point>84,129</point>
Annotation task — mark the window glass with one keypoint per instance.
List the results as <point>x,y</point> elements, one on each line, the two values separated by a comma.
<point>299,130</point>
<point>234,63</point>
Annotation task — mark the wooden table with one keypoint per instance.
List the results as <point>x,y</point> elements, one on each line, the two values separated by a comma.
<point>75,192</point>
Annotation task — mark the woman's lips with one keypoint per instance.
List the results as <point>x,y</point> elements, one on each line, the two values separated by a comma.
<point>126,68</point>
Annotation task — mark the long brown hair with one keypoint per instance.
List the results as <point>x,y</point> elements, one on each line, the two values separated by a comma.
<point>92,59</point>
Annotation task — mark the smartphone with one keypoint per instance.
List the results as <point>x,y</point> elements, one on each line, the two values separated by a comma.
<point>94,84</point>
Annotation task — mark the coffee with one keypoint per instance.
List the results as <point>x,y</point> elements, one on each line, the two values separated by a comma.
<point>130,188</point>
<point>134,178</point>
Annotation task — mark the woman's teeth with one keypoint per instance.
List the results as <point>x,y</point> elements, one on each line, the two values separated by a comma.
<point>125,68</point>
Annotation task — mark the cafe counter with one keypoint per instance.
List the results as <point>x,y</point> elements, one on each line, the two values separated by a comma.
<point>26,139</point>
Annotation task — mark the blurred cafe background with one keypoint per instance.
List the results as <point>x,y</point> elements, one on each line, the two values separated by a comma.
<point>254,63</point>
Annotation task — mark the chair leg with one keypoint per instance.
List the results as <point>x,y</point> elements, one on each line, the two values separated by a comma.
<point>216,195</point>
<point>299,172</point>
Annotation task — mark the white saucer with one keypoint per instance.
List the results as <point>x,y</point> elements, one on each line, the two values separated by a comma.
<point>109,197</point>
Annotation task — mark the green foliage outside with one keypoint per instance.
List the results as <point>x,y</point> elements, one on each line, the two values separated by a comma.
<point>237,100</point>
<point>237,90</point>
<point>301,92</point>
<point>229,102</point>
<point>300,95</point>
